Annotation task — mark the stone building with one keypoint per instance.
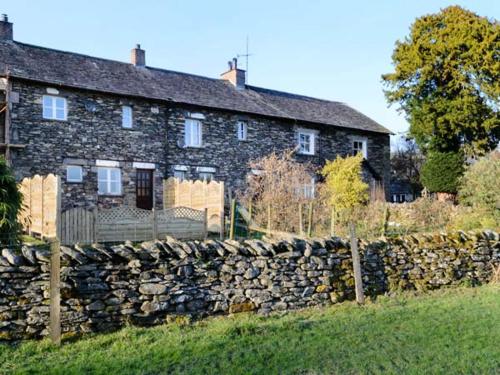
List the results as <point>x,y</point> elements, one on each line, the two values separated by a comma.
<point>113,130</point>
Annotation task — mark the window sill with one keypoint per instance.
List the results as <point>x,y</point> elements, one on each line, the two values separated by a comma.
<point>54,119</point>
<point>306,154</point>
<point>74,182</point>
<point>194,147</point>
<point>110,195</point>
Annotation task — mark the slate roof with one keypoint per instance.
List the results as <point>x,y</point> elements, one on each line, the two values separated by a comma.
<point>80,71</point>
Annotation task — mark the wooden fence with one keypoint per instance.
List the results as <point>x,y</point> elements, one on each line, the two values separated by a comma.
<point>199,195</point>
<point>41,205</point>
<point>129,223</point>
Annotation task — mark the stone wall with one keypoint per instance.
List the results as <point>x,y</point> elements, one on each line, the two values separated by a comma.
<point>86,136</point>
<point>104,287</point>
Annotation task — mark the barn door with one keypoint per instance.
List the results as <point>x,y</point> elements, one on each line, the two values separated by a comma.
<point>144,189</point>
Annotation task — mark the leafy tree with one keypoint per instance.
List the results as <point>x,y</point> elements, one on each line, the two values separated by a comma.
<point>343,183</point>
<point>447,81</point>
<point>441,172</point>
<point>10,204</point>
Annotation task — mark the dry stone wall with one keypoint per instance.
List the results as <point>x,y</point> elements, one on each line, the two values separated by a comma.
<point>104,287</point>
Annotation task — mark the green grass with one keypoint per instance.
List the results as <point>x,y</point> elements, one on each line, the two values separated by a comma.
<point>454,331</point>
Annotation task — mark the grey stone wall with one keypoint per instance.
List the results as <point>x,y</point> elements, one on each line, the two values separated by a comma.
<point>230,157</point>
<point>85,137</point>
<point>104,287</point>
<point>158,128</point>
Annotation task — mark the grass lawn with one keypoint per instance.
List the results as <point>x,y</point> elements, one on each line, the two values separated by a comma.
<point>455,331</point>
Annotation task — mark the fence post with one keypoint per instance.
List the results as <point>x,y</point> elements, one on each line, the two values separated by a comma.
<point>301,229</point>
<point>356,263</point>
<point>222,225</point>
<point>155,228</point>
<point>332,222</point>
<point>386,220</point>
<point>310,218</point>
<point>55,295</point>
<point>269,219</point>
<point>205,223</point>
<point>96,223</point>
<point>233,217</point>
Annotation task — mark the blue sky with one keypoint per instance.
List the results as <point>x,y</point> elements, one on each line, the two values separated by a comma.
<point>328,49</point>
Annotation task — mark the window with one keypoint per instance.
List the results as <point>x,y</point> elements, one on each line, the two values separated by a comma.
<point>206,176</point>
<point>54,108</point>
<point>181,175</point>
<point>127,117</point>
<point>241,130</point>
<point>109,181</point>
<point>74,173</point>
<point>192,133</point>
<point>306,142</point>
<point>359,145</point>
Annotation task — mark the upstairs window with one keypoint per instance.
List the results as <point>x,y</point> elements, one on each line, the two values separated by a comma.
<point>74,173</point>
<point>306,141</point>
<point>241,130</point>
<point>359,145</point>
<point>54,108</point>
<point>127,120</point>
<point>192,133</point>
<point>109,181</point>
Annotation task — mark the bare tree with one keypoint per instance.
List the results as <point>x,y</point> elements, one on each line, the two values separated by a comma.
<point>406,162</point>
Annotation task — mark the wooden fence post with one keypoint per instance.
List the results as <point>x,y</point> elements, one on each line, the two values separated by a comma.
<point>222,225</point>
<point>332,223</point>
<point>55,295</point>
<point>205,223</point>
<point>233,217</point>
<point>310,219</point>
<point>356,263</point>
<point>386,220</point>
<point>301,227</point>
<point>155,228</point>
<point>269,219</point>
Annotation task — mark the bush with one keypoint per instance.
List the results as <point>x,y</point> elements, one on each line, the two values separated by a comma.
<point>441,172</point>
<point>479,191</point>
<point>10,204</point>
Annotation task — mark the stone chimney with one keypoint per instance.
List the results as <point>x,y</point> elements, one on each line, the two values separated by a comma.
<point>234,75</point>
<point>6,28</point>
<point>138,56</point>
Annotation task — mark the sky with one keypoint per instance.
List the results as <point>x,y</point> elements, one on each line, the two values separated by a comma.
<point>334,50</point>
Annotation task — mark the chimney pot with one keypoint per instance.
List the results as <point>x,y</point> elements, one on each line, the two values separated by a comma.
<point>138,56</point>
<point>237,77</point>
<point>6,28</point>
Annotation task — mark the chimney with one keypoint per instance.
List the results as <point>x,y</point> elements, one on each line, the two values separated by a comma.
<point>234,75</point>
<point>138,56</point>
<point>6,28</point>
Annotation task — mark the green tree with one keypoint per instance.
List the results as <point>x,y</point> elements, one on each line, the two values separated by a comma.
<point>10,204</point>
<point>441,172</point>
<point>447,81</point>
<point>344,185</point>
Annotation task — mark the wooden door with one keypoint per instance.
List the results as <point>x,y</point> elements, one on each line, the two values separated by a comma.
<point>144,189</point>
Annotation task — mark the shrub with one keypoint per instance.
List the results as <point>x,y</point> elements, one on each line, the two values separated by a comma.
<point>344,185</point>
<point>10,204</point>
<point>441,172</point>
<point>479,191</point>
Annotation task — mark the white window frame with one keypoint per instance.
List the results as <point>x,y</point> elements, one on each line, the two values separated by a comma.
<point>53,108</point>
<point>242,130</point>
<point>309,190</point>
<point>127,117</point>
<point>191,139</point>
<point>107,179</point>
<point>80,172</point>
<point>364,146</point>
<point>312,134</point>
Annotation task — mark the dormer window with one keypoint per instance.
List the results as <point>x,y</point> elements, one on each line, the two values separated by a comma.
<point>54,108</point>
<point>127,120</point>
<point>241,130</point>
